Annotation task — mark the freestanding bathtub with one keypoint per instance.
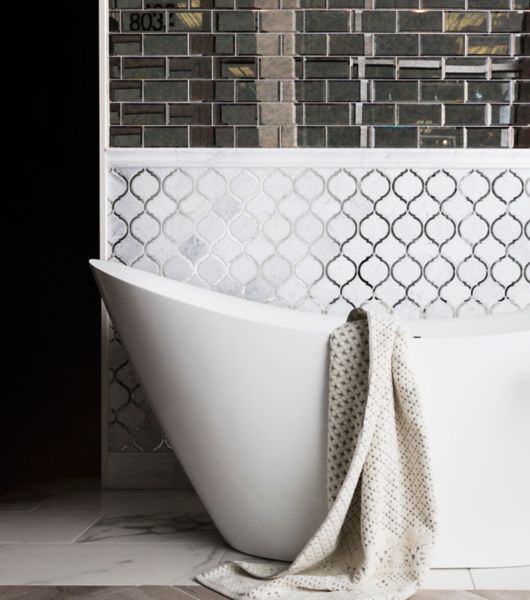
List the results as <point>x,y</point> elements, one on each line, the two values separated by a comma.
<point>240,390</point>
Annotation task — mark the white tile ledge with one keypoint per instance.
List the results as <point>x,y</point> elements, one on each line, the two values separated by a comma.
<point>313,157</point>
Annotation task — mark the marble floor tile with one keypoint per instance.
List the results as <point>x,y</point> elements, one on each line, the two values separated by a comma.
<point>448,579</point>
<point>514,578</point>
<point>125,502</point>
<point>44,527</point>
<point>105,564</point>
<point>153,528</point>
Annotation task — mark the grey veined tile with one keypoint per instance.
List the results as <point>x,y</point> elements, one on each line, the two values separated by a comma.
<point>149,528</point>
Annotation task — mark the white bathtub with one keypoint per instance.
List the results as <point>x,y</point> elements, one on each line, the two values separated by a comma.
<point>240,390</point>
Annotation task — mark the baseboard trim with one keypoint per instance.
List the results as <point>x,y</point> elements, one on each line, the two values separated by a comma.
<point>145,470</point>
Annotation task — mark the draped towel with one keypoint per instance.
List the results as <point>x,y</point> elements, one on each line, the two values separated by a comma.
<point>376,540</point>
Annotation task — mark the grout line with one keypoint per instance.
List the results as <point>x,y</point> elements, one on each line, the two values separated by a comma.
<point>87,528</point>
<point>472,579</point>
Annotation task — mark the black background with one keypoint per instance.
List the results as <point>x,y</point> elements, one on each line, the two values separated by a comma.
<point>50,413</point>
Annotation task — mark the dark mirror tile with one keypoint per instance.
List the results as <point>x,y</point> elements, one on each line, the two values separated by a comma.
<point>125,91</point>
<point>395,137</point>
<point>487,137</point>
<point>441,137</point>
<point>379,21</point>
<point>166,91</point>
<point>125,137</point>
<point>331,68</point>
<point>236,114</point>
<point>144,68</point>
<point>396,91</point>
<point>144,114</point>
<point>143,21</point>
<point>190,114</point>
<point>311,137</point>
<point>212,137</point>
<point>488,91</point>
<point>165,137</point>
<point>396,44</point>
<point>123,45</point>
<point>344,91</point>
<point>442,44</point>
<point>331,20</point>
<point>343,137</point>
<point>311,91</point>
<point>429,20</point>
<point>165,44</point>
<point>466,114</point>
<point>488,44</point>
<point>378,114</point>
<point>327,114</point>
<point>190,68</point>
<point>466,21</point>
<point>443,91</point>
<point>311,44</point>
<point>190,20</point>
<point>419,114</point>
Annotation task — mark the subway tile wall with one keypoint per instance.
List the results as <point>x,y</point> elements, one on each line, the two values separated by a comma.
<point>320,73</point>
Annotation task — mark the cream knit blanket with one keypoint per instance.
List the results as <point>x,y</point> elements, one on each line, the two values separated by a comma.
<point>375,542</point>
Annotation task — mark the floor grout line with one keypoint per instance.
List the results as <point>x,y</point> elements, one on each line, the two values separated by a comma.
<point>86,529</point>
<point>472,579</point>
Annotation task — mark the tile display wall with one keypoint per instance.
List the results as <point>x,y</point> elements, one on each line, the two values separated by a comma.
<point>426,241</point>
<point>319,73</point>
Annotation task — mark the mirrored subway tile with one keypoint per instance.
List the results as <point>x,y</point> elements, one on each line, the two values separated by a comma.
<point>465,114</point>
<point>258,4</point>
<point>277,21</point>
<point>190,68</point>
<point>466,21</point>
<point>240,20</point>
<point>378,114</point>
<point>212,137</point>
<point>258,91</point>
<point>208,91</point>
<point>488,91</point>
<point>125,137</point>
<point>441,137</point>
<point>442,44</point>
<point>190,114</point>
<point>520,4</point>
<point>506,68</point>
<point>488,137</point>
<point>236,114</point>
<point>346,3</point>
<point>521,114</point>
<point>327,20</point>
<point>521,137</point>
<point>311,137</point>
<point>499,4</point>
<point>419,68</point>
<point>396,3</point>
<point>413,20</point>
<point>114,68</point>
<point>144,68</point>
<point>511,22</point>
<point>125,4</point>
<point>488,44</point>
<point>311,43</point>
<point>166,91</point>
<point>276,67</point>
<point>114,21</point>
<point>346,44</point>
<point>389,44</point>
<point>115,113</point>
<point>234,68</point>
<point>258,137</point>
<point>503,114</point>
<point>466,68</point>
<point>380,68</point>
<point>165,44</point>
<point>143,20</point>
<point>443,91</point>
<point>327,114</point>
<point>259,44</point>
<point>395,137</point>
<point>327,68</point>
<point>444,4</point>
<point>144,114</point>
<point>124,44</point>
<point>311,91</point>
<point>419,114</point>
<point>522,91</point>
<point>165,137</point>
<point>396,91</point>
<point>276,113</point>
<point>380,21</point>
<point>344,137</point>
<point>190,20</point>
<point>343,91</point>
<point>125,91</point>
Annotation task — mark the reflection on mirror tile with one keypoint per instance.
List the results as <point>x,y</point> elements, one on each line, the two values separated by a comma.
<point>269,73</point>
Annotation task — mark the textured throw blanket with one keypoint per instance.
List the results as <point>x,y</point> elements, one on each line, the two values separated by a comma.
<point>375,542</point>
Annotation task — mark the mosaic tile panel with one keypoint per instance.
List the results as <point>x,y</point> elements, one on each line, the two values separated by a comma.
<point>424,242</point>
<point>320,73</point>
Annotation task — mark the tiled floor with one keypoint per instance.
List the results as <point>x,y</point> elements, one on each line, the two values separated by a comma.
<point>73,534</point>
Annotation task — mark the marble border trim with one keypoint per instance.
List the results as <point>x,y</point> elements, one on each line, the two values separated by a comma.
<point>318,157</point>
<point>145,470</point>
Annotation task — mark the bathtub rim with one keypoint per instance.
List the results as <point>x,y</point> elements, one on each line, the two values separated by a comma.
<point>268,314</point>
